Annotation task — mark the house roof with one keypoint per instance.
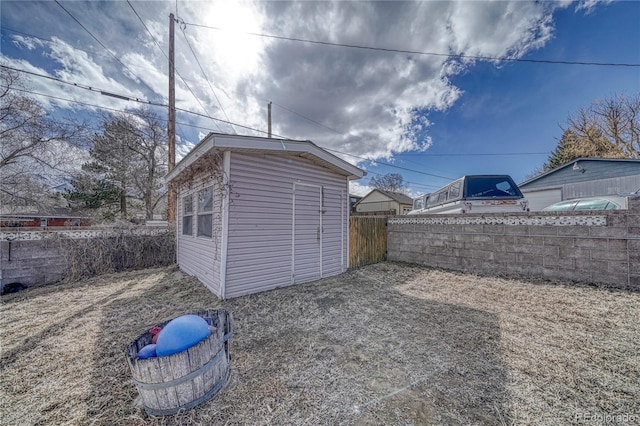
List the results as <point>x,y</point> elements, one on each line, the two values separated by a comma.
<point>573,163</point>
<point>32,211</point>
<point>250,144</point>
<point>396,196</point>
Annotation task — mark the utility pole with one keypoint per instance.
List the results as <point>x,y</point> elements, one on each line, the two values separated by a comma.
<point>171,201</point>
<point>269,120</point>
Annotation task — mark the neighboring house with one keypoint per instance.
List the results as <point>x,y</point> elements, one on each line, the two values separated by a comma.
<point>52,218</point>
<point>255,214</point>
<point>584,177</point>
<point>384,202</point>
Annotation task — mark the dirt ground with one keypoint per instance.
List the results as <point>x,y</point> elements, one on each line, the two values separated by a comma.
<point>385,344</point>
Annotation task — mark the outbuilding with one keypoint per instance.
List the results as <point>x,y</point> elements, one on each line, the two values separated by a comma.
<point>583,177</point>
<point>254,214</point>
<point>379,201</point>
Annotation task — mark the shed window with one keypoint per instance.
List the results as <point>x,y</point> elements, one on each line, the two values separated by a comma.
<point>187,215</point>
<point>205,212</point>
<point>454,190</point>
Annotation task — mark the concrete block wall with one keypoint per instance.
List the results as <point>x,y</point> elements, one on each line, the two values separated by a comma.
<point>31,262</point>
<point>593,247</point>
<point>34,258</point>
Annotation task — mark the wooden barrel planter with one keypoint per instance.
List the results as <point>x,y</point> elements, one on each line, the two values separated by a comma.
<point>171,384</point>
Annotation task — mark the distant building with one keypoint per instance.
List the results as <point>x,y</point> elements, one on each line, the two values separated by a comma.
<point>584,177</point>
<point>379,201</point>
<point>44,220</point>
<point>353,200</point>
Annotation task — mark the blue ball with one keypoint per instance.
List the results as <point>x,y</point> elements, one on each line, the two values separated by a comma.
<point>147,352</point>
<point>180,334</point>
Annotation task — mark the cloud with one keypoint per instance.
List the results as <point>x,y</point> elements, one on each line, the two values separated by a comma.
<point>378,102</point>
<point>364,102</point>
<point>589,5</point>
<point>357,188</point>
<point>28,43</point>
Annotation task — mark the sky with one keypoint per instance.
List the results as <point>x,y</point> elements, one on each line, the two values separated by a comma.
<point>435,100</point>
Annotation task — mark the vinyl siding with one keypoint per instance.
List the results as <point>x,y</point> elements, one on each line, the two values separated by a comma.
<point>612,186</point>
<point>379,206</point>
<point>260,235</point>
<point>200,256</point>
<point>594,170</point>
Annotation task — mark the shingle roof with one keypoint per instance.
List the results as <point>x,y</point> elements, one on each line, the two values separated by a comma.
<point>306,149</point>
<point>572,162</point>
<point>397,196</point>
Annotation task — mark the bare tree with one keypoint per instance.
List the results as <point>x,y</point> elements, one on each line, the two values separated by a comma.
<point>128,160</point>
<point>611,125</point>
<point>35,148</point>
<point>393,182</point>
<point>151,153</point>
<point>609,128</point>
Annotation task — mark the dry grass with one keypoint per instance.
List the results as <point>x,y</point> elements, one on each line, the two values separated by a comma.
<point>385,344</point>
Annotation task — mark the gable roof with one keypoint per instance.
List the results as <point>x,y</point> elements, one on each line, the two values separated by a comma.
<point>396,196</point>
<point>250,144</point>
<point>572,163</point>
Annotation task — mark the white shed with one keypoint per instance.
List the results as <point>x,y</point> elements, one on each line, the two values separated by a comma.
<point>254,214</point>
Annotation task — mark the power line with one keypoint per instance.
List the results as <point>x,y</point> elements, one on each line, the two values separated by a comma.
<point>309,119</point>
<point>49,40</point>
<point>205,75</point>
<point>416,52</point>
<point>123,64</point>
<point>106,108</point>
<point>489,154</point>
<point>146,28</point>
<point>167,57</point>
<point>86,87</point>
<point>127,98</point>
<point>390,165</point>
<point>177,72</point>
<point>101,44</point>
<point>165,120</point>
<point>124,97</point>
<point>210,129</point>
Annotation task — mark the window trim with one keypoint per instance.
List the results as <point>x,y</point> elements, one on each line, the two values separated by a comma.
<point>186,213</point>
<point>202,213</point>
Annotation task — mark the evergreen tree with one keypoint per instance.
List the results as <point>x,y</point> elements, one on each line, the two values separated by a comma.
<point>607,129</point>
<point>127,165</point>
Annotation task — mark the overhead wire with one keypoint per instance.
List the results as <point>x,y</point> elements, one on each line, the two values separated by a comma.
<point>182,123</point>
<point>180,76</point>
<point>166,56</point>
<point>389,164</point>
<point>417,52</point>
<point>102,44</point>
<point>94,52</point>
<point>307,118</point>
<point>50,40</point>
<point>85,86</point>
<point>105,107</point>
<point>479,154</point>
<point>161,50</point>
<point>184,34</point>
<point>124,97</point>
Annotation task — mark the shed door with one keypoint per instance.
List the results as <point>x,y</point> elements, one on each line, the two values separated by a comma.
<point>307,232</point>
<point>333,230</point>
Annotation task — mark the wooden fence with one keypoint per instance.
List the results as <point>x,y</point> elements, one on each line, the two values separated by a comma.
<point>367,240</point>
